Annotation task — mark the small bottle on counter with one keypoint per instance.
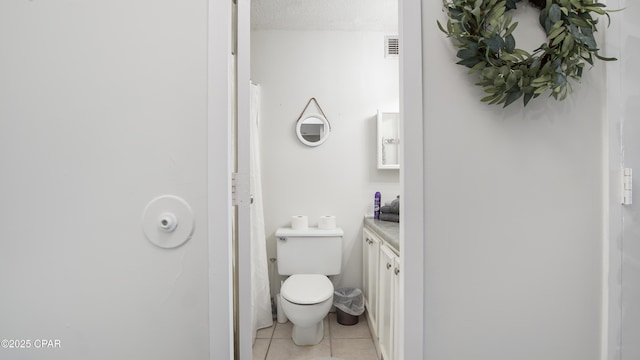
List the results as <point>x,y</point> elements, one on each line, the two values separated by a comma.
<point>376,206</point>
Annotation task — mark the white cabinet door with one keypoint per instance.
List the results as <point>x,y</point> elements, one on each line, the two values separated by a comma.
<point>385,314</point>
<point>365,268</point>
<point>395,304</point>
<point>370,255</point>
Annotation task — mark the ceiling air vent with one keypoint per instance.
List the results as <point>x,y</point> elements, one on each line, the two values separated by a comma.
<point>391,46</point>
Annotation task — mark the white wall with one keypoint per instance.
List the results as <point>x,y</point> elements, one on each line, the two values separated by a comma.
<point>103,106</point>
<point>514,216</point>
<point>349,76</point>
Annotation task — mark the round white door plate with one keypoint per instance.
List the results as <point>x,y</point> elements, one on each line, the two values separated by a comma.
<point>168,221</point>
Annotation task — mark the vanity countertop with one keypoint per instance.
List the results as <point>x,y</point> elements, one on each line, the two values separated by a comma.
<point>387,230</point>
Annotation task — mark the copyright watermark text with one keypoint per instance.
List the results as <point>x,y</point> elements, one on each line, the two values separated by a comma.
<point>30,344</point>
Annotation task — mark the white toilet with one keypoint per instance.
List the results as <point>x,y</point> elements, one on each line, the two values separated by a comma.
<point>308,256</point>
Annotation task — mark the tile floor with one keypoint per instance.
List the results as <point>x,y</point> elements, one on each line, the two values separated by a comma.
<point>346,342</point>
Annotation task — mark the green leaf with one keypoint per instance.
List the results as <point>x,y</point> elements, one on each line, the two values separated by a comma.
<point>521,53</point>
<point>541,90</point>
<point>498,99</point>
<point>577,20</point>
<point>479,66</point>
<point>567,45</point>
<point>492,90</point>
<point>495,43</point>
<point>546,69</point>
<point>566,4</point>
<point>557,31</point>
<point>509,43</point>
<point>605,58</point>
<point>512,96</point>
<point>497,12</point>
<point>490,97</point>
<point>542,80</point>
<point>558,39</point>
<point>510,29</point>
<point>442,28</point>
<point>470,62</point>
<point>512,79</point>
<point>465,54</point>
<point>527,97</point>
<point>510,57</point>
<point>545,22</point>
<point>561,80</point>
<point>489,73</point>
<point>594,9</point>
<point>555,14</point>
<point>576,4</point>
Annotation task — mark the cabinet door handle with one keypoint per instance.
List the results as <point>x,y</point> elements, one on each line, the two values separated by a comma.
<point>397,271</point>
<point>388,266</point>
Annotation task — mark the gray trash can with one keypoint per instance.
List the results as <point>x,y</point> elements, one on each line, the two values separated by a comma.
<point>349,303</point>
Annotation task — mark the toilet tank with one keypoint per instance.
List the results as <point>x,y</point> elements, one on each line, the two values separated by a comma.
<point>309,251</point>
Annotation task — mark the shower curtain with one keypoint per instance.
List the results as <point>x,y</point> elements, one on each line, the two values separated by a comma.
<point>261,316</point>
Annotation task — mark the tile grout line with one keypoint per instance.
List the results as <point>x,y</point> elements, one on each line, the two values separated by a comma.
<point>330,337</point>
<point>275,323</point>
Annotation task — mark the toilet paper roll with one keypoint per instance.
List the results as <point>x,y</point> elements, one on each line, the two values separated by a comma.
<point>327,222</point>
<point>299,222</point>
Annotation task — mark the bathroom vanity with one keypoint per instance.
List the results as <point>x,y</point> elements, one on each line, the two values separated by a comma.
<point>381,283</point>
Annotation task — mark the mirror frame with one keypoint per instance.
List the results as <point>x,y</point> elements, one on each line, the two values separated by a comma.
<point>325,135</point>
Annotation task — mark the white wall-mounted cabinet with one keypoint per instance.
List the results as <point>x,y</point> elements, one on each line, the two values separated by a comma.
<point>388,140</point>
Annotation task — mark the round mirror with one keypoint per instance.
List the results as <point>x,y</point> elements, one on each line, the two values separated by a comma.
<point>313,129</point>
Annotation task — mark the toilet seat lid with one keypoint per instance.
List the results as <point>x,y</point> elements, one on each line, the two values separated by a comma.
<point>307,289</point>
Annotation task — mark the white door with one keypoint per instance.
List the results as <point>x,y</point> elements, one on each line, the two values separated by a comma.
<point>630,316</point>
<point>630,57</point>
<point>219,201</point>
<point>105,106</point>
<point>243,218</point>
<point>624,106</point>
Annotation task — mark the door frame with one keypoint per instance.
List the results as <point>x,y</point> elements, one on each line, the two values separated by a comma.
<point>219,167</point>
<point>412,224</point>
<point>244,331</point>
<point>613,219</point>
<point>411,176</point>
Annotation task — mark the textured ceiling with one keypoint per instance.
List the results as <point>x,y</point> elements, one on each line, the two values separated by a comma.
<point>346,15</point>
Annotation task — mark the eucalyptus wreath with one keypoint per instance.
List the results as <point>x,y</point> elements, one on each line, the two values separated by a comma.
<point>482,30</point>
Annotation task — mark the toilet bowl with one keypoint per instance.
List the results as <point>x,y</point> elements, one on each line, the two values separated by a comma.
<point>306,300</point>
<point>308,257</point>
